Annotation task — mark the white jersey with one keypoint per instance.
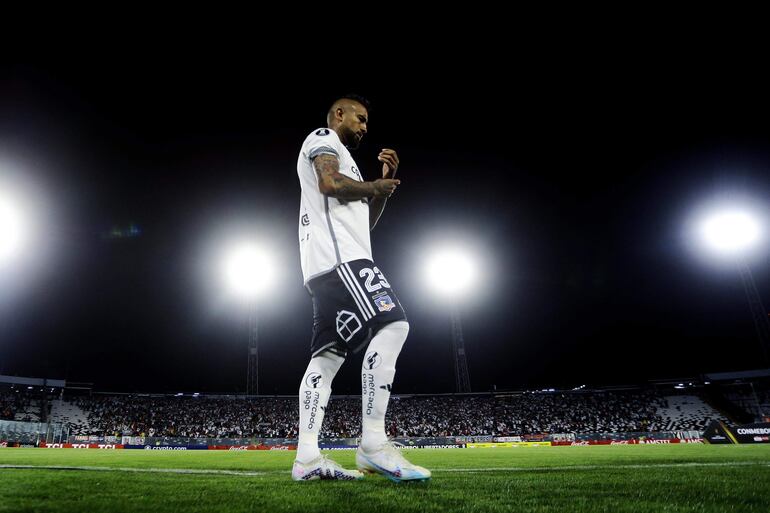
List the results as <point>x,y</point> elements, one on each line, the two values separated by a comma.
<point>331,231</point>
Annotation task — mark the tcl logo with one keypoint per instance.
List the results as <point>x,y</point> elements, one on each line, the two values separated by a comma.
<point>106,446</point>
<point>80,446</point>
<point>54,446</point>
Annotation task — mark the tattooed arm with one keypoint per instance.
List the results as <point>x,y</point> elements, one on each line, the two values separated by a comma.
<point>333,183</point>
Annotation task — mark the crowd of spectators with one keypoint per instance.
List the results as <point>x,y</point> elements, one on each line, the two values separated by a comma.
<point>598,412</point>
<point>439,415</point>
<point>16,404</point>
<point>7,405</point>
<point>193,417</point>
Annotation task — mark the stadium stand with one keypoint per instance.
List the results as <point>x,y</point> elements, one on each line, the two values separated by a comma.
<point>69,413</point>
<point>683,413</point>
<point>435,416</point>
<point>756,403</point>
<point>20,405</point>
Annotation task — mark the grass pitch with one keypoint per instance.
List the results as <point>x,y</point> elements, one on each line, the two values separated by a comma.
<point>543,479</point>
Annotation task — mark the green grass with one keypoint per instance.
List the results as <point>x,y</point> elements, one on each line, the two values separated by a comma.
<point>558,479</point>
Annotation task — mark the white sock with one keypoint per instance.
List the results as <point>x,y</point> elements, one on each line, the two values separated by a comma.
<point>377,373</point>
<point>314,392</point>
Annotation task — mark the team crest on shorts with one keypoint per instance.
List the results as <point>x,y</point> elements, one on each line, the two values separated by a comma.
<point>384,303</point>
<point>347,325</point>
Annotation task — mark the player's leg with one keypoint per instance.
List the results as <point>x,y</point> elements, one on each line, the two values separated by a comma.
<point>314,392</point>
<point>335,325</point>
<point>376,453</point>
<point>377,373</point>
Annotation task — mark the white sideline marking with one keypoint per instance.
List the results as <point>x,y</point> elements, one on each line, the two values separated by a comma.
<point>439,470</point>
<point>613,467</point>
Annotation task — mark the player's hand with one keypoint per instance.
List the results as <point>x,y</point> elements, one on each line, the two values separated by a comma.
<point>384,187</point>
<point>389,160</point>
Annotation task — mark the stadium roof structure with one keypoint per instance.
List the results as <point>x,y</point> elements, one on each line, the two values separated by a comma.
<point>749,374</point>
<point>42,382</point>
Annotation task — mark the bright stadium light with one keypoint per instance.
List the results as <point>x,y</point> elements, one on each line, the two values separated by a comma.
<point>730,232</point>
<point>11,229</point>
<point>450,271</point>
<point>31,224</point>
<point>248,269</point>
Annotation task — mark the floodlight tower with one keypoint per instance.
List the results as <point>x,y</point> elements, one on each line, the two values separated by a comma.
<point>450,273</point>
<point>758,312</point>
<point>731,233</point>
<point>249,271</point>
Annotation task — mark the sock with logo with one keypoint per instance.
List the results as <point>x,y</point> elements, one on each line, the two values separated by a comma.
<point>377,372</point>
<point>314,392</point>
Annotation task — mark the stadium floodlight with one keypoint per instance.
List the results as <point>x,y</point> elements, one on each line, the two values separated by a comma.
<point>29,230</point>
<point>248,270</point>
<point>450,271</point>
<point>11,229</point>
<point>730,232</point>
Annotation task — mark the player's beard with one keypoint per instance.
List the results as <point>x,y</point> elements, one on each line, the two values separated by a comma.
<point>351,139</point>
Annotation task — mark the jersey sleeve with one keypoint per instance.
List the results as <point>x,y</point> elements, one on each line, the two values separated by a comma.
<point>321,141</point>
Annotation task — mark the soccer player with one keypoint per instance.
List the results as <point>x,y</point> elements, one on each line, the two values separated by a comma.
<point>353,302</point>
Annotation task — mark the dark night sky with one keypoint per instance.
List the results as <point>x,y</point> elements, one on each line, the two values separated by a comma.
<point>575,180</point>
